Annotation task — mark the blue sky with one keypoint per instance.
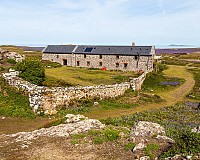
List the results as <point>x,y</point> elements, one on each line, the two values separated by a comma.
<point>111,22</point>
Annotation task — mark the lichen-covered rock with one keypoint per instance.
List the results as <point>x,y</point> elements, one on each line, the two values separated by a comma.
<point>147,129</point>
<point>62,130</point>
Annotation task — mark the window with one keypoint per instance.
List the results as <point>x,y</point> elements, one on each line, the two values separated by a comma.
<point>78,63</point>
<point>100,56</point>
<point>117,65</point>
<point>88,63</point>
<point>88,49</point>
<point>100,63</point>
<point>84,55</point>
<point>57,56</point>
<point>125,65</point>
<point>117,56</point>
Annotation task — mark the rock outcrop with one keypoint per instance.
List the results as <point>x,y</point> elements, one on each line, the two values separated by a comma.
<point>14,55</point>
<point>144,133</point>
<point>76,125</point>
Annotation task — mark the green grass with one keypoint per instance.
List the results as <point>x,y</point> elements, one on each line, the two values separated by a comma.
<point>150,149</point>
<point>13,102</point>
<point>86,77</point>
<point>195,93</point>
<point>153,82</point>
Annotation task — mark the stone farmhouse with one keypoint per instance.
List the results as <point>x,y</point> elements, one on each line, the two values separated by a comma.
<point>125,58</point>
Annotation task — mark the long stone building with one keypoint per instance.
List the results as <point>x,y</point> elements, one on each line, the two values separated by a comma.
<point>125,58</point>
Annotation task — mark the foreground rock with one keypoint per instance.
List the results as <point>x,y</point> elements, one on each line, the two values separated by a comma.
<point>62,130</point>
<point>144,133</point>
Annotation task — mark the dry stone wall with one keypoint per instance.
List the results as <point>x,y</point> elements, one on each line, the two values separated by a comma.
<point>48,100</point>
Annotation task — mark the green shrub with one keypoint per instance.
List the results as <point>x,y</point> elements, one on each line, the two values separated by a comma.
<point>32,71</point>
<point>11,61</point>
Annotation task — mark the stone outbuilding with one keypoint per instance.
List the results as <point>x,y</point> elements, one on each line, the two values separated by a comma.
<point>125,58</point>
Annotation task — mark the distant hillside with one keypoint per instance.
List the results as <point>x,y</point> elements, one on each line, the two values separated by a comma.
<point>177,50</point>
<point>26,48</point>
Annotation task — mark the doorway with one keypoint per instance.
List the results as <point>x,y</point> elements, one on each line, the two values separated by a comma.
<point>64,62</point>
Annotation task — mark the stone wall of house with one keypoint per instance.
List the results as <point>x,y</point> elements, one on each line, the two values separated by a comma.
<point>48,100</point>
<point>111,62</point>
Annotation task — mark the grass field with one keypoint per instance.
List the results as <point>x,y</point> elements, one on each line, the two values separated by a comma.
<point>87,77</point>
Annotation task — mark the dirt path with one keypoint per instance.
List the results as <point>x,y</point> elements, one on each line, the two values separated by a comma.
<point>170,97</point>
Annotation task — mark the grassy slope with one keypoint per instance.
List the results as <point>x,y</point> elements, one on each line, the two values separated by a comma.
<point>85,77</point>
<point>171,97</point>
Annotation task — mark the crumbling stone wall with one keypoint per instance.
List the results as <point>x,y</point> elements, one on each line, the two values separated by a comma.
<point>48,99</point>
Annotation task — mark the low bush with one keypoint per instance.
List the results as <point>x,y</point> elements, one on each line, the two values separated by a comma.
<point>32,71</point>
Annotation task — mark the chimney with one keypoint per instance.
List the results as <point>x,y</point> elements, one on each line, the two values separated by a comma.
<point>133,43</point>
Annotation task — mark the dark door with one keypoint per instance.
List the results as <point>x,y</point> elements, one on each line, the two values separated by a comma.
<point>65,62</point>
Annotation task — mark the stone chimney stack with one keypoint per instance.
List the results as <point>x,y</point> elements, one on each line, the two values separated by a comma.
<point>133,43</point>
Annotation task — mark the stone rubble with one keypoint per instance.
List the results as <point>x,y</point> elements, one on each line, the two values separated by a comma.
<point>44,99</point>
<point>62,130</point>
<point>14,55</point>
<point>147,129</point>
<point>145,132</point>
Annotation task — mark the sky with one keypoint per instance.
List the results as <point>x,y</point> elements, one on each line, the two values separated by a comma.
<point>100,22</point>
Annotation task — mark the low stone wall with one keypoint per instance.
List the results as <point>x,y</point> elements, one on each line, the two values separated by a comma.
<point>48,99</point>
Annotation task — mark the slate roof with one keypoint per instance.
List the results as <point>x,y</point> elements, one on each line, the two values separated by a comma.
<point>59,49</point>
<point>99,50</point>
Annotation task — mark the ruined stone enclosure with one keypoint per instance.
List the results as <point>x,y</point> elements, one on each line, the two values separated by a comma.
<point>125,58</point>
<point>47,100</point>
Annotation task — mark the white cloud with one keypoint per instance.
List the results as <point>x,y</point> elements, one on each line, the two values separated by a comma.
<point>103,21</point>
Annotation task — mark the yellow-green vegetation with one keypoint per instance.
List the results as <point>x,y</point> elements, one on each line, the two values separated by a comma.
<point>150,149</point>
<point>87,77</point>
<point>191,56</point>
<point>99,136</point>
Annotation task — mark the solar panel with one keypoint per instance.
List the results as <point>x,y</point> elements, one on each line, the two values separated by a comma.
<point>88,49</point>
